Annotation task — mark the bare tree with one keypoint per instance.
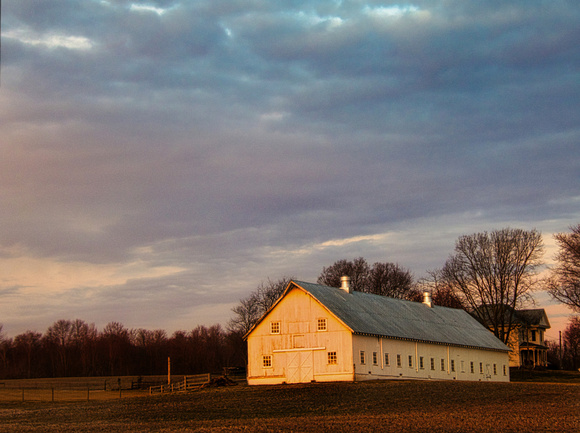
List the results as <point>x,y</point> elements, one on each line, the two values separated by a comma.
<point>564,285</point>
<point>572,341</point>
<point>250,309</point>
<point>389,279</point>
<point>493,274</point>
<point>386,279</point>
<point>441,292</point>
<point>357,269</point>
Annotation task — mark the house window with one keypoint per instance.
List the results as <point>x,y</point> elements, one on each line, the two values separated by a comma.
<point>321,324</point>
<point>332,359</point>
<point>533,335</point>
<point>442,365</point>
<point>362,356</point>
<point>471,365</point>
<point>267,361</point>
<point>452,365</point>
<point>399,361</point>
<point>387,359</point>
<point>463,366</point>
<point>410,361</point>
<point>375,358</point>
<point>421,365</point>
<point>433,364</point>
<point>274,327</point>
<point>494,369</point>
<point>481,367</point>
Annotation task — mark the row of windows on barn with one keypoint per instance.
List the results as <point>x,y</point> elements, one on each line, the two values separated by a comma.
<point>333,360</point>
<point>320,326</point>
<point>432,366</point>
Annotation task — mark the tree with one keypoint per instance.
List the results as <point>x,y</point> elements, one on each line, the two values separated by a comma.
<point>564,285</point>
<point>441,292</point>
<point>572,342</point>
<point>256,304</point>
<point>493,273</point>
<point>358,271</point>
<point>386,279</point>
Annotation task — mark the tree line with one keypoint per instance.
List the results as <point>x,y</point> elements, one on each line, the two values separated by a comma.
<point>75,348</point>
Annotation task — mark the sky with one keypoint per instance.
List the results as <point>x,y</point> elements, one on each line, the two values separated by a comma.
<point>160,159</point>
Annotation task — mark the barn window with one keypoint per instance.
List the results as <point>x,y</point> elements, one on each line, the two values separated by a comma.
<point>375,358</point>
<point>481,367</point>
<point>433,364</point>
<point>421,365</point>
<point>494,369</point>
<point>472,367</point>
<point>274,327</point>
<point>410,361</point>
<point>362,357</point>
<point>399,361</point>
<point>332,359</point>
<point>504,371</point>
<point>321,324</point>
<point>452,365</point>
<point>442,365</point>
<point>267,361</point>
<point>387,359</point>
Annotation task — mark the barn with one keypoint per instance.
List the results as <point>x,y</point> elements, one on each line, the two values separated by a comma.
<point>315,333</point>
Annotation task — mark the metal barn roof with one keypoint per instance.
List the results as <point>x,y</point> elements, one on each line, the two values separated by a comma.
<point>376,315</point>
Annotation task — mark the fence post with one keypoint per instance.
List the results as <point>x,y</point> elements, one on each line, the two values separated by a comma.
<point>22,394</point>
<point>185,383</point>
<point>88,393</point>
<point>52,389</point>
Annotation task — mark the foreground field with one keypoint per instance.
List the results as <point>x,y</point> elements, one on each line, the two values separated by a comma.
<point>413,406</point>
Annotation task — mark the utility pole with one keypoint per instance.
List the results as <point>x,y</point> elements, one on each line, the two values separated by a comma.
<point>168,370</point>
<point>561,367</point>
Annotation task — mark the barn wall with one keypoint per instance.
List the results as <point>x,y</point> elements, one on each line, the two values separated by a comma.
<point>449,363</point>
<point>300,352</point>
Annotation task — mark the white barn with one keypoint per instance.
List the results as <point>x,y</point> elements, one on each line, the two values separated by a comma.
<point>319,333</point>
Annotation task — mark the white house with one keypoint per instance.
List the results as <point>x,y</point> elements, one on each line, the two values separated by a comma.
<point>320,333</point>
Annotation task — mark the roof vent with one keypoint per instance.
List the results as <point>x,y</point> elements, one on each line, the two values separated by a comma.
<point>427,299</point>
<point>345,283</point>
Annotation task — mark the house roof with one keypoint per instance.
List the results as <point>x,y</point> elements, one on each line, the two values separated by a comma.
<point>531,317</point>
<point>369,314</point>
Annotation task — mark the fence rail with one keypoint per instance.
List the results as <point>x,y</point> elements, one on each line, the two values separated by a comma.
<point>188,383</point>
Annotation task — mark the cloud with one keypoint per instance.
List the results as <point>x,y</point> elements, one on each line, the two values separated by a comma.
<point>194,149</point>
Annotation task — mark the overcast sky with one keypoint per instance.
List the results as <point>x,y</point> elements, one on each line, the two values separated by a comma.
<point>160,159</point>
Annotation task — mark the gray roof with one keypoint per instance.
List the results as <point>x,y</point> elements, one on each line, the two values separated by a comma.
<point>376,315</point>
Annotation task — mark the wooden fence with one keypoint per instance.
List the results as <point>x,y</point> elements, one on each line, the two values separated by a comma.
<point>188,383</point>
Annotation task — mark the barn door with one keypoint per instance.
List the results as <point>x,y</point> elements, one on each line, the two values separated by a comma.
<point>300,367</point>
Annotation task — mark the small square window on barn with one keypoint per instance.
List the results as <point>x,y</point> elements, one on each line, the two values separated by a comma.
<point>387,359</point>
<point>399,361</point>
<point>375,358</point>
<point>321,324</point>
<point>274,327</point>
<point>332,359</point>
<point>471,365</point>
<point>267,361</point>
<point>452,365</point>
<point>494,369</point>
<point>410,361</point>
<point>432,363</point>
<point>421,366</point>
<point>442,365</point>
<point>481,368</point>
<point>362,357</point>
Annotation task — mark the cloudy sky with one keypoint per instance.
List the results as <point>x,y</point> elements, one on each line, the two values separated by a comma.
<point>159,159</point>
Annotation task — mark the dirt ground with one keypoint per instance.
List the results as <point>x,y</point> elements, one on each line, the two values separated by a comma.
<point>391,406</point>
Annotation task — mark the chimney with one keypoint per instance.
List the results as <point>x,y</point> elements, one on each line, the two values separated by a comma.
<point>427,299</point>
<point>345,283</point>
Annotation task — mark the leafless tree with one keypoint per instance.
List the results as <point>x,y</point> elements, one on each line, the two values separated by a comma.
<point>441,292</point>
<point>250,309</point>
<point>493,273</point>
<point>564,285</point>
<point>357,269</point>
<point>572,341</point>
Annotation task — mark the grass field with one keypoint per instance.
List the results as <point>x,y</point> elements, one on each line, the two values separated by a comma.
<point>410,406</point>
